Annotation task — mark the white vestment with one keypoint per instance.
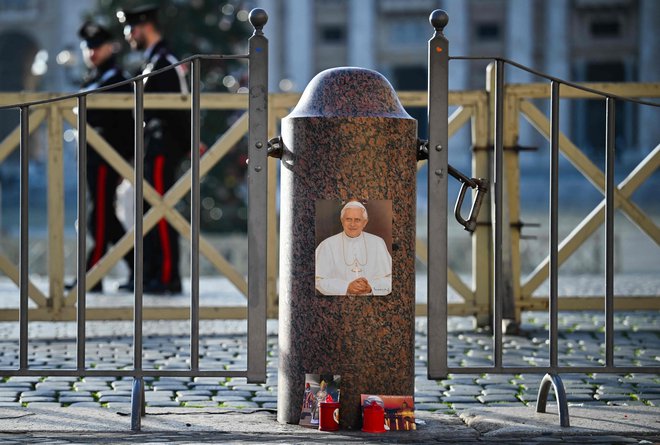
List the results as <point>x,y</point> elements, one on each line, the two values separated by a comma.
<point>341,259</point>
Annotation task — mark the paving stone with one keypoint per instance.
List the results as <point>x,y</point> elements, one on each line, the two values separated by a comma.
<point>39,393</point>
<point>239,404</point>
<point>10,404</point>
<point>497,398</point>
<point>32,399</point>
<point>207,387</point>
<point>92,386</point>
<point>469,381</point>
<point>61,378</point>
<point>169,387</point>
<point>174,379</point>
<point>580,391</point>
<point>244,394</point>
<point>192,398</point>
<point>202,404</point>
<point>577,398</point>
<point>153,395</point>
<point>53,386</point>
<point>15,386</point>
<point>110,399</point>
<point>120,405</point>
<point>430,406</point>
<point>227,398</point>
<point>463,389</point>
<point>459,399</point>
<point>23,379</point>
<point>612,397</point>
<point>269,405</point>
<point>492,379</point>
<point>499,391</point>
<point>121,392</point>
<point>8,398</point>
<point>209,380</point>
<point>627,403</point>
<point>72,399</point>
<point>162,403</point>
<point>424,399</point>
<point>270,393</point>
<point>264,399</point>
<point>101,378</point>
<point>194,393</point>
<point>85,405</point>
<point>44,404</point>
<point>248,388</point>
<point>462,406</point>
<point>236,381</point>
<point>74,393</point>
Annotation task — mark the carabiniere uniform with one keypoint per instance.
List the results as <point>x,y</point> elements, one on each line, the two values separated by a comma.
<point>116,127</point>
<point>167,141</point>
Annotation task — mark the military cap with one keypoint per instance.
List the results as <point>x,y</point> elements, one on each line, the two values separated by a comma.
<point>136,16</point>
<point>93,34</point>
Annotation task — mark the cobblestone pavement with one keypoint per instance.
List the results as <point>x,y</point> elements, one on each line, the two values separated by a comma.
<point>223,345</point>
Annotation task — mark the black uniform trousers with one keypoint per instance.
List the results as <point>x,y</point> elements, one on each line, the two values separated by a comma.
<point>161,243</point>
<point>102,222</point>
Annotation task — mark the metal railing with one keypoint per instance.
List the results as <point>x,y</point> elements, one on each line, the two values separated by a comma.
<point>472,111</point>
<point>438,366</point>
<point>257,59</point>
<point>475,108</point>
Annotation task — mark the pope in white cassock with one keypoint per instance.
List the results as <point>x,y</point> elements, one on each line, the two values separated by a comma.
<point>353,262</point>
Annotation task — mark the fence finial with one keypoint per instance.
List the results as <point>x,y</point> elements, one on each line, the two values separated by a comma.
<point>258,18</point>
<point>439,19</point>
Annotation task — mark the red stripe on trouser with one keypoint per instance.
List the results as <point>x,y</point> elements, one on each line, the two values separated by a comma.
<point>159,183</point>
<point>99,208</point>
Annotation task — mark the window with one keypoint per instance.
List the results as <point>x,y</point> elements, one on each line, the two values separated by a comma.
<point>605,29</point>
<point>488,31</point>
<point>332,34</point>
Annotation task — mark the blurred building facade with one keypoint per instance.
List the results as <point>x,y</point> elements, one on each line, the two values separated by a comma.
<point>577,40</point>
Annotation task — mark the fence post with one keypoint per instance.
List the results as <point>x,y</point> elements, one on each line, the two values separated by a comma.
<point>506,278</point>
<point>438,85</point>
<point>55,210</point>
<point>273,221</point>
<point>482,253</point>
<point>257,197</point>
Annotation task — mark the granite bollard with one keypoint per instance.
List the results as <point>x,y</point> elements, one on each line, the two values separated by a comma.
<point>348,138</point>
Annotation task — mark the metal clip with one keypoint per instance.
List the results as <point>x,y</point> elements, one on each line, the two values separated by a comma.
<point>474,183</point>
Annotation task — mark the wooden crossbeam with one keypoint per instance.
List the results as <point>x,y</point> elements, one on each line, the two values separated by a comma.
<point>456,121</point>
<point>11,270</point>
<point>163,206</point>
<point>597,216</point>
<point>10,143</point>
<point>591,171</point>
<point>452,277</point>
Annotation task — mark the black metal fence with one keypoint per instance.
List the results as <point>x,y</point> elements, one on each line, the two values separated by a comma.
<point>437,290</point>
<point>257,59</point>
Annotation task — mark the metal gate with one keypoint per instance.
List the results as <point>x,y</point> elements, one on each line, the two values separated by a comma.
<point>257,59</point>
<point>438,367</point>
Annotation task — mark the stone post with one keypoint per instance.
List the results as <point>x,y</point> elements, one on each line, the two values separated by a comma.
<point>348,138</point>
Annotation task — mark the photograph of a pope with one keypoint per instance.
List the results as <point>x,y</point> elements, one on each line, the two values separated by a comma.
<point>353,262</point>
